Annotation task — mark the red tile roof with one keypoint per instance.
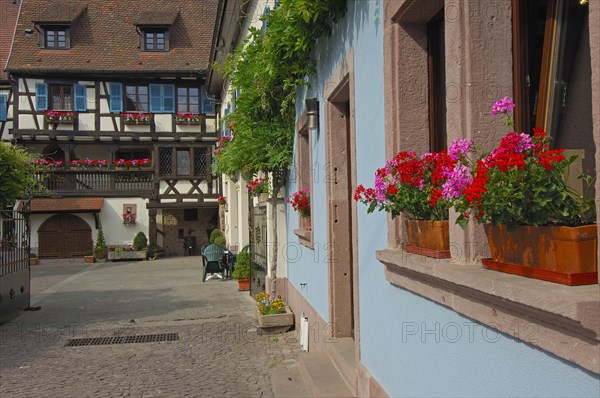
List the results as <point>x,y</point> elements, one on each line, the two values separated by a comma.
<point>62,205</point>
<point>104,37</point>
<point>9,10</point>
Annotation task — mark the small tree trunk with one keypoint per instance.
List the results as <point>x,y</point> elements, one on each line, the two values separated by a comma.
<point>277,184</point>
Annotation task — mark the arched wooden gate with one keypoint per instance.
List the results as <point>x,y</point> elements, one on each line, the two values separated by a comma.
<point>64,236</point>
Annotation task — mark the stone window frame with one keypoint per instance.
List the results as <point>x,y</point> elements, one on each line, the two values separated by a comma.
<point>559,319</point>
<point>304,176</point>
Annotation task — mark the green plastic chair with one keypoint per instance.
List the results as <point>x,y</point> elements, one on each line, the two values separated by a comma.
<point>212,257</point>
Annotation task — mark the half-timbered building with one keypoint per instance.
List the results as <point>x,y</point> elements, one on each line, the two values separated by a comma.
<point>112,95</point>
<point>9,11</point>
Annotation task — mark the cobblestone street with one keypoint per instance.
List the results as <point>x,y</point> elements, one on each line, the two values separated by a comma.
<point>218,352</point>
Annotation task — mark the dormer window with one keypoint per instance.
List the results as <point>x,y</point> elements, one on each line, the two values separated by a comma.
<point>155,39</point>
<point>56,37</point>
<point>154,28</point>
<point>55,22</point>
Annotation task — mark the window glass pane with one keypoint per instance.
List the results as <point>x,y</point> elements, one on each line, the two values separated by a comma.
<point>165,166</point>
<point>195,108</point>
<point>181,91</point>
<point>194,92</point>
<point>143,90</point>
<point>183,162</point>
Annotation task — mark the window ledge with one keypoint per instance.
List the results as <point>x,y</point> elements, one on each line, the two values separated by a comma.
<point>563,320</point>
<point>305,237</point>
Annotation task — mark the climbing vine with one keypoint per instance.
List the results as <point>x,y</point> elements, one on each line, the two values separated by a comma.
<point>267,69</point>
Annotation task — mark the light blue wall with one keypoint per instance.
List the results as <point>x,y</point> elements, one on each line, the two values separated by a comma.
<point>395,347</point>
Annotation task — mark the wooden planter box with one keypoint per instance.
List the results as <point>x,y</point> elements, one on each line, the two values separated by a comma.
<point>188,122</point>
<point>285,320</point>
<point>60,121</point>
<point>127,255</point>
<point>428,238</point>
<point>136,122</point>
<point>566,255</point>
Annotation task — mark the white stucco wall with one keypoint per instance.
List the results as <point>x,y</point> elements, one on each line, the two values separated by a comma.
<point>117,233</point>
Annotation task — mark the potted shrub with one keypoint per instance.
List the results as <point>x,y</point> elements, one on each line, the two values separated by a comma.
<point>242,271</point>
<point>89,256</point>
<point>100,248</point>
<point>33,259</point>
<point>140,242</point>
<point>417,188</point>
<point>214,234</point>
<point>535,224</point>
<point>220,240</point>
<point>153,252</point>
<point>272,312</point>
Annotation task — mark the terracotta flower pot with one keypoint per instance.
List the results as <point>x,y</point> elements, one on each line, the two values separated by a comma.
<point>243,284</point>
<point>566,255</point>
<point>307,223</point>
<point>428,238</point>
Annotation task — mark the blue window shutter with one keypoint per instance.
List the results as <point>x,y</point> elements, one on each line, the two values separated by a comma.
<point>156,103</point>
<point>41,96</point>
<point>116,97</point>
<point>3,109</point>
<point>80,97</point>
<point>168,98</point>
<point>208,106</point>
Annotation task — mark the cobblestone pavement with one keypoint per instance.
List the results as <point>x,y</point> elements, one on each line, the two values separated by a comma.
<point>218,353</point>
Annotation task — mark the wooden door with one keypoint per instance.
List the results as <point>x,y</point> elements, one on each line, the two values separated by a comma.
<point>64,236</point>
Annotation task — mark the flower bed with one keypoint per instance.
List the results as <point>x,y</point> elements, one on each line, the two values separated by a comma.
<point>139,118</point>
<point>300,202</point>
<point>129,218</point>
<point>132,163</point>
<point>50,164</point>
<point>272,312</point>
<point>258,186</point>
<point>186,118</point>
<point>60,117</point>
<point>89,163</point>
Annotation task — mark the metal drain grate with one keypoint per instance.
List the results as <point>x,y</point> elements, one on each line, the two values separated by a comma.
<point>146,338</point>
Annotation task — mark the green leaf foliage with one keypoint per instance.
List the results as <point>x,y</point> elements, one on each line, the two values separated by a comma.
<point>17,173</point>
<point>267,68</point>
<point>140,241</point>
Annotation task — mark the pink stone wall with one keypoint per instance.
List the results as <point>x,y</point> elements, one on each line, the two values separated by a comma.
<point>595,58</point>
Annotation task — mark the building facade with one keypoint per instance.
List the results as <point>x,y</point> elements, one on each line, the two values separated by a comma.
<point>114,99</point>
<point>413,75</point>
<point>247,219</point>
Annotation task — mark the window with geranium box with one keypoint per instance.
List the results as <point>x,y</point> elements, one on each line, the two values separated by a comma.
<point>303,174</point>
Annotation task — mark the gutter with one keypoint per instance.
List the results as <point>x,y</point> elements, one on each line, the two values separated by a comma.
<point>217,30</point>
<point>105,72</point>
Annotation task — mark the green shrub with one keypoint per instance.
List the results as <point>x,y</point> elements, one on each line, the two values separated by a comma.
<point>242,268</point>
<point>220,240</point>
<point>140,241</point>
<point>101,247</point>
<point>214,234</point>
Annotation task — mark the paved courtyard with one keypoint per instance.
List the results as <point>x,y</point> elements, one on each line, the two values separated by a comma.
<point>217,353</point>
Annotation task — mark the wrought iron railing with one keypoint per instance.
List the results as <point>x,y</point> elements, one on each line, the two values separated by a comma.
<point>14,242</point>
